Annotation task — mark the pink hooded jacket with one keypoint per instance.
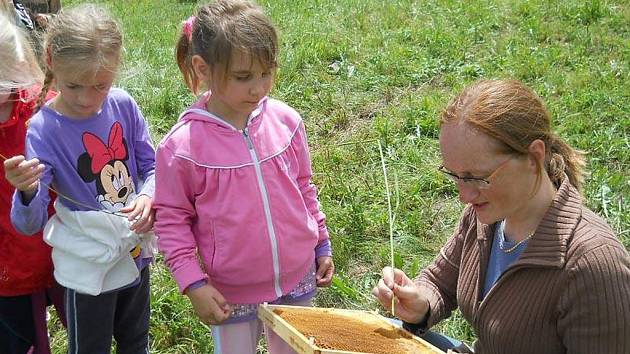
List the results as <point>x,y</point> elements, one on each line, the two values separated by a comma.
<point>238,207</point>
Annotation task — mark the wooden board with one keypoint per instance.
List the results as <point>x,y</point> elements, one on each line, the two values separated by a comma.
<point>312,330</point>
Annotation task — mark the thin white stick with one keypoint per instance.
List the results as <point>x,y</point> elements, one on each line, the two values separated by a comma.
<point>391,219</point>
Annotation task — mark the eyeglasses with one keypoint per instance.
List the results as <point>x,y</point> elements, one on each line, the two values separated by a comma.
<point>474,182</point>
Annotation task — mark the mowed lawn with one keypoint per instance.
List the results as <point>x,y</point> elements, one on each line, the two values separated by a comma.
<point>360,71</point>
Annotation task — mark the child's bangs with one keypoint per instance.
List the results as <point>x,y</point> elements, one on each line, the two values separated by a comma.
<point>265,57</point>
<point>86,68</point>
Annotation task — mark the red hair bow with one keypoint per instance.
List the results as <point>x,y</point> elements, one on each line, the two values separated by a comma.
<point>100,153</point>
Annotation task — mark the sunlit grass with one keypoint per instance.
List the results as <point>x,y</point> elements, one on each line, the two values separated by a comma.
<point>360,70</point>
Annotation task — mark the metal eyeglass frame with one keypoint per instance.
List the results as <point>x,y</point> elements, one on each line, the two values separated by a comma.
<point>475,182</point>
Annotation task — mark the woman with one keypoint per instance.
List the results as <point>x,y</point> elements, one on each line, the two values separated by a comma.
<point>530,267</point>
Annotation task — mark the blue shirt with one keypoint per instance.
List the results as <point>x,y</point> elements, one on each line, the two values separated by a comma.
<point>499,259</point>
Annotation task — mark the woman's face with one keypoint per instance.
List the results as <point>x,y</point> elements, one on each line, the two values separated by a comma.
<point>468,152</point>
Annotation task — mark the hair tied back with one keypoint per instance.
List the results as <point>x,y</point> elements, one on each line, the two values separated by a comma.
<point>187,27</point>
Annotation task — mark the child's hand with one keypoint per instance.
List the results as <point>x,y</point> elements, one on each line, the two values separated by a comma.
<point>23,175</point>
<point>325,271</point>
<point>140,210</point>
<point>209,304</point>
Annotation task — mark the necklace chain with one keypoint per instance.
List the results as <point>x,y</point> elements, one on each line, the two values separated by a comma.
<point>511,249</point>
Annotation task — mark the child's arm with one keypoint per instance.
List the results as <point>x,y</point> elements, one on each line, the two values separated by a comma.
<point>308,189</point>
<point>175,211</point>
<point>141,209</point>
<point>323,250</point>
<point>29,211</point>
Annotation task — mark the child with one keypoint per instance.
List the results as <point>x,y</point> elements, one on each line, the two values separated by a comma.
<point>26,274</point>
<point>91,144</point>
<point>237,216</point>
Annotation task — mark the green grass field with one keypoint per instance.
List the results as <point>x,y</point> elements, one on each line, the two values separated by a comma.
<point>364,70</point>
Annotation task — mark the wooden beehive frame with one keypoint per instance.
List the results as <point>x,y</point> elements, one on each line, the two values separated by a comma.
<point>304,345</point>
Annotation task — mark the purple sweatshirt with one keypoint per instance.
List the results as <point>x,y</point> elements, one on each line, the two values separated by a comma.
<point>103,161</point>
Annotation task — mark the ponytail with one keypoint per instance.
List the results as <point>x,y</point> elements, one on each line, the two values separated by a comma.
<point>183,55</point>
<point>216,31</point>
<point>563,159</point>
<point>48,78</point>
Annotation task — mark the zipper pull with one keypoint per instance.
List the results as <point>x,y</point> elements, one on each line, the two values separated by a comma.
<point>249,141</point>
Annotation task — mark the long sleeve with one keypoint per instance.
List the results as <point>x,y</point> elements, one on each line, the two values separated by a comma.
<point>175,210</point>
<point>439,280</point>
<point>145,155</point>
<point>32,217</point>
<point>595,307</point>
<point>307,188</point>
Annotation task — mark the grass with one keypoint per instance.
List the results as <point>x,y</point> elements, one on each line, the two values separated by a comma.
<point>362,70</point>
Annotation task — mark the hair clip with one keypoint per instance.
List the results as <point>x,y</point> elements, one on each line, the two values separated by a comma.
<point>187,27</point>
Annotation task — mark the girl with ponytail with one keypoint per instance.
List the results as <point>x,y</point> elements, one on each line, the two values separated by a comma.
<point>237,214</point>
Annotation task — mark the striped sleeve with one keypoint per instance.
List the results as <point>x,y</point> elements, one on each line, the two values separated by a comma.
<point>594,314</point>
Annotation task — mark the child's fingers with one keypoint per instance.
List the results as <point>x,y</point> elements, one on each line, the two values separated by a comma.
<point>144,222</point>
<point>146,212</point>
<point>128,208</point>
<point>28,165</point>
<point>25,169</point>
<point>217,314</point>
<point>12,162</point>
<point>29,183</point>
<point>328,278</point>
<point>143,225</point>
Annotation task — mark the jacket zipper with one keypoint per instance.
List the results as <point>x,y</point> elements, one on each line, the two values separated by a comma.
<point>508,272</point>
<point>267,209</point>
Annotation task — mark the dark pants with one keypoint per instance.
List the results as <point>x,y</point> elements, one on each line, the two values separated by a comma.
<point>23,321</point>
<point>123,314</point>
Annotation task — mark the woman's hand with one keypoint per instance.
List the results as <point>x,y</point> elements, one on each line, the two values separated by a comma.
<point>325,271</point>
<point>24,175</point>
<point>209,304</point>
<point>141,213</point>
<point>410,304</point>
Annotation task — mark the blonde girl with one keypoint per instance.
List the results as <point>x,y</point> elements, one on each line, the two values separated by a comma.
<point>26,274</point>
<point>237,215</point>
<point>91,144</point>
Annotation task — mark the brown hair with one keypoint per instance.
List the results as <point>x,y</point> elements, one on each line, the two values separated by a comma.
<point>513,114</point>
<point>83,38</point>
<point>221,27</point>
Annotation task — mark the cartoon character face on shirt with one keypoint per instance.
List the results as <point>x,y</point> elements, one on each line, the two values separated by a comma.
<point>105,164</point>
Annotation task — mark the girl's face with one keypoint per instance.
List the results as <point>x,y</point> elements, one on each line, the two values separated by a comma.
<point>235,95</point>
<point>467,152</point>
<point>82,96</point>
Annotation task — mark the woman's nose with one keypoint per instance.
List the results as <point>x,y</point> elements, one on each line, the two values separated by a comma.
<point>467,194</point>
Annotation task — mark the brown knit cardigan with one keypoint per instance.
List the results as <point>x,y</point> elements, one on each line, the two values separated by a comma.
<point>569,291</point>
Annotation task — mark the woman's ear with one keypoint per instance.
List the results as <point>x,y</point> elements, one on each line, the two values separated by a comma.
<point>201,68</point>
<point>537,152</point>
